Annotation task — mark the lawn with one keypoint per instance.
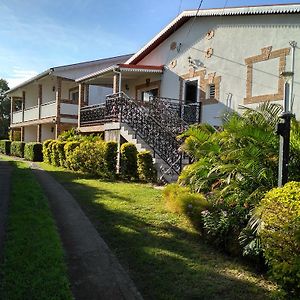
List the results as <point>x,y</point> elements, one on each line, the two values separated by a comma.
<point>33,266</point>
<point>162,252</point>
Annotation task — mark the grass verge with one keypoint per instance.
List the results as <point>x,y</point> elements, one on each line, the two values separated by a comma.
<point>162,252</point>
<point>33,266</point>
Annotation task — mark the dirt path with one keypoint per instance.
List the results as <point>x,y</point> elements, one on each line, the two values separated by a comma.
<point>5,176</point>
<point>94,271</point>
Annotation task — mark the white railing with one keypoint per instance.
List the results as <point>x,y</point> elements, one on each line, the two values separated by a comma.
<point>17,117</point>
<point>69,109</point>
<point>31,113</point>
<point>48,109</point>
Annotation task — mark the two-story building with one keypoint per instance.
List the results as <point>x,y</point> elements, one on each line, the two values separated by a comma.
<point>46,105</point>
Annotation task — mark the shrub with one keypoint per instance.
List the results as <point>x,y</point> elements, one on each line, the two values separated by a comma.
<point>5,147</point>
<point>181,200</point>
<point>146,168</point>
<point>279,230</point>
<point>88,157</point>
<point>110,157</point>
<point>68,149</point>
<point>128,161</point>
<point>61,153</point>
<point>17,148</point>
<point>54,153</point>
<point>47,151</point>
<point>33,151</point>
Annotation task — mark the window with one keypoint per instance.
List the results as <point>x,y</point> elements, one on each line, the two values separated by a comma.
<point>74,95</point>
<point>148,95</point>
<point>211,91</point>
<point>191,91</point>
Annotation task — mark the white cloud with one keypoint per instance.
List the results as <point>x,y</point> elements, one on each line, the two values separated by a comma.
<point>18,76</point>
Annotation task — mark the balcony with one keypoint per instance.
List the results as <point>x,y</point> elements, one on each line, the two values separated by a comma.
<point>45,110</point>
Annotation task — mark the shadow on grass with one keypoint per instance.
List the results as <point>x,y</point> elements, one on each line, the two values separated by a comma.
<point>165,260</point>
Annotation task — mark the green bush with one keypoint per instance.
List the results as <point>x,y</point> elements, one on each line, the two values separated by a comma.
<point>5,147</point>
<point>68,149</point>
<point>61,153</point>
<point>110,157</point>
<point>146,169</point>
<point>47,151</point>
<point>279,230</point>
<point>17,148</point>
<point>128,161</point>
<point>88,157</point>
<point>33,151</point>
<point>54,153</point>
<point>181,200</point>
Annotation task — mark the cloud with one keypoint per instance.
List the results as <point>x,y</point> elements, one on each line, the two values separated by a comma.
<point>19,75</point>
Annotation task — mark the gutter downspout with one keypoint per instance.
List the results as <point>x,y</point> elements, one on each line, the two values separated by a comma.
<point>293,44</point>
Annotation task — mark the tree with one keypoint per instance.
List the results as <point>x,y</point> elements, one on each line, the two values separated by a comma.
<point>4,109</point>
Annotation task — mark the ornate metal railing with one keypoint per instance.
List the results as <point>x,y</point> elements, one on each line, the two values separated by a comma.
<point>157,122</point>
<point>162,141</point>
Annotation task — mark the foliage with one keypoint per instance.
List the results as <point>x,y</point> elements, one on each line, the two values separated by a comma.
<point>5,147</point>
<point>4,109</point>
<point>33,266</point>
<point>14,135</point>
<point>47,151</point>
<point>110,157</point>
<point>279,230</point>
<point>68,149</point>
<point>75,136</point>
<point>17,148</point>
<point>181,200</point>
<point>155,243</point>
<point>33,151</point>
<point>88,157</point>
<point>146,169</point>
<point>54,153</point>
<point>236,166</point>
<point>128,161</point>
<point>61,153</point>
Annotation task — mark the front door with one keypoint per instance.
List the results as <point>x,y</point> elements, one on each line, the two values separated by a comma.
<point>191,108</point>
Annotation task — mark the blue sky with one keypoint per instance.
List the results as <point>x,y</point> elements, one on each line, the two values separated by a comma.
<point>38,34</point>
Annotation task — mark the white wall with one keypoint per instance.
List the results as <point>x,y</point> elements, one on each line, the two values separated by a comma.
<point>46,132</point>
<point>235,38</point>
<point>30,134</point>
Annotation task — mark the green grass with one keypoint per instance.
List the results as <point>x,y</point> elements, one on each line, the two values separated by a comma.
<point>33,266</point>
<point>162,252</point>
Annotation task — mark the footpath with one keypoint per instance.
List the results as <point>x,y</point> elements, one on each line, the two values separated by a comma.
<point>94,271</point>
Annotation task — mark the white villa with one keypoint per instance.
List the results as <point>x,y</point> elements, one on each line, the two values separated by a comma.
<point>46,105</point>
<point>201,64</point>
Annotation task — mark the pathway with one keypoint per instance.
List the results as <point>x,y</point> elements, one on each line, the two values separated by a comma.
<point>95,272</point>
<point>5,175</point>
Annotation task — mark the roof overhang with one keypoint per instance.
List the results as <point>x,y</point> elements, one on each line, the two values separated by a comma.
<point>123,68</point>
<point>230,11</point>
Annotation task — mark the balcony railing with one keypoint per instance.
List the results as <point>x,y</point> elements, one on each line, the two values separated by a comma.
<point>48,109</point>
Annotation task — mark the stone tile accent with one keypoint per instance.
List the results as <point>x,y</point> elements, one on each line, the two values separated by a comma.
<point>266,54</point>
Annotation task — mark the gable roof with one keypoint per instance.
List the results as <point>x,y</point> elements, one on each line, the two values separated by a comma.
<point>59,70</point>
<point>229,11</point>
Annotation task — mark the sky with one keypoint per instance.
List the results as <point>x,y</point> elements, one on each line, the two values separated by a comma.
<point>39,34</point>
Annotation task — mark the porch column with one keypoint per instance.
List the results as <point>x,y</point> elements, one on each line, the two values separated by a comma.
<point>116,84</point>
<point>39,133</point>
<point>58,101</point>
<point>23,104</point>
<point>22,134</point>
<point>87,94</point>
<point>11,109</point>
<point>81,99</point>
<point>40,95</point>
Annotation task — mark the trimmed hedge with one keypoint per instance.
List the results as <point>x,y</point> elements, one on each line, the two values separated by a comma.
<point>17,148</point>
<point>68,149</point>
<point>146,169</point>
<point>33,151</point>
<point>279,213</point>
<point>5,147</point>
<point>54,153</point>
<point>110,157</point>
<point>128,161</point>
<point>61,153</point>
<point>46,151</point>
